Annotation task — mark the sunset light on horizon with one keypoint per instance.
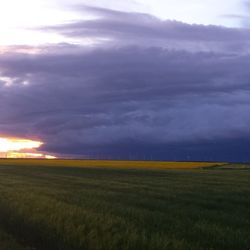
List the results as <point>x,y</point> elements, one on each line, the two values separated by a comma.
<point>13,148</point>
<point>14,144</point>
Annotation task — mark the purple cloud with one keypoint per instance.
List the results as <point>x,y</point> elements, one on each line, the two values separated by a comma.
<point>140,98</point>
<point>118,28</point>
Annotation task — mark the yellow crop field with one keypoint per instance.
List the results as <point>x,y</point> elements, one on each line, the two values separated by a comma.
<point>109,164</point>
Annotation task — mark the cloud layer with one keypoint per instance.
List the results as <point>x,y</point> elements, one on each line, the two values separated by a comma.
<point>149,87</point>
<point>118,28</point>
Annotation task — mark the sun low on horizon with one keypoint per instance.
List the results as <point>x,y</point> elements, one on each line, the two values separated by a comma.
<point>18,148</point>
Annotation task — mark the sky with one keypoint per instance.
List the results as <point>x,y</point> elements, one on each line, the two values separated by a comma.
<point>131,79</point>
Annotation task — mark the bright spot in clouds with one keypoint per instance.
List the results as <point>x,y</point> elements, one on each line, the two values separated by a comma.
<point>13,147</point>
<point>10,144</point>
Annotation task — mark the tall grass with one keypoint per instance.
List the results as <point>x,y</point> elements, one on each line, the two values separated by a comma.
<point>93,208</point>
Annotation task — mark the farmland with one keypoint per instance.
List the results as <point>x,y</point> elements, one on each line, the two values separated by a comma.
<point>123,205</point>
<point>110,164</point>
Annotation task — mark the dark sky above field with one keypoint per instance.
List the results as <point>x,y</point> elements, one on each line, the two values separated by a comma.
<point>131,81</point>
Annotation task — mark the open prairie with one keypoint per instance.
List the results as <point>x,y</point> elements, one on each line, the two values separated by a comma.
<point>110,164</point>
<point>60,204</point>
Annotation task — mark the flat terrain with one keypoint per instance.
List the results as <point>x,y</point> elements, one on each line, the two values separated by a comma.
<point>110,164</point>
<point>99,205</point>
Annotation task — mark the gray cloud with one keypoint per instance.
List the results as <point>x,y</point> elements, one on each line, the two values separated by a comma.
<point>123,28</point>
<point>101,97</point>
<point>141,98</point>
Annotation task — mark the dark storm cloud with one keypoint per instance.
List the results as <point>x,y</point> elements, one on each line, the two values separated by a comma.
<point>101,98</point>
<point>119,28</point>
<point>130,100</point>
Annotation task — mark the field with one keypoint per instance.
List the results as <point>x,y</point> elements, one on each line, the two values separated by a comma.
<point>110,164</point>
<point>50,205</point>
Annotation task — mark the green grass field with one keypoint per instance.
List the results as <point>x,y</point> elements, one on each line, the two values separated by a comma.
<point>110,208</point>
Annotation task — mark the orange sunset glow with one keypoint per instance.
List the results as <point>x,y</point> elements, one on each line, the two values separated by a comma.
<point>15,147</point>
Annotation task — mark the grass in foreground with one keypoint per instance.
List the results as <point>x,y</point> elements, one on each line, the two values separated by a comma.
<point>92,208</point>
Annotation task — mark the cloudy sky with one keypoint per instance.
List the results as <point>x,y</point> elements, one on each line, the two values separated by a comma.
<point>137,79</point>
